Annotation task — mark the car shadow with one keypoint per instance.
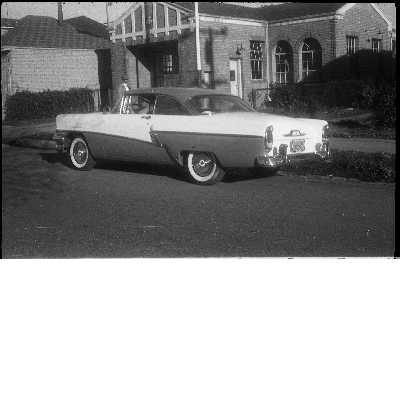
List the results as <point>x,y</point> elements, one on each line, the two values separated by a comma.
<point>54,158</point>
<point>141,168</point>
<point>170,171</point>
<point>237,175</point>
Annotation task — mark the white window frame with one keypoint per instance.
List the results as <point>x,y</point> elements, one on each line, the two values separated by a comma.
<point>316,60</point>
<point>376,45</point>
<point>351,45</point>
<point>286,74</point>
<point>256,59</point>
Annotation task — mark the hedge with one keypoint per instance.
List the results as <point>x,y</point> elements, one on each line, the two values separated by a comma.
<point>29,105</point>
<point>375,95</point>
<point>368,167</point>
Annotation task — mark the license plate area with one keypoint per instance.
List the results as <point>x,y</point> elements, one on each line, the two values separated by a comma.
<point>297,146</point>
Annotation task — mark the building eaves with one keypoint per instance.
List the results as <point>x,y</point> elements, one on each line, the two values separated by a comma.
<point>8,22</point>
<point>222,10</point>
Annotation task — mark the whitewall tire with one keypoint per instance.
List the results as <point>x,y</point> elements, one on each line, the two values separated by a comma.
<point>79,156</point>
<point>203,169</point>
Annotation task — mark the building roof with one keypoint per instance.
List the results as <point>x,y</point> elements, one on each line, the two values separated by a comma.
<point>287,11</point>
<point>223,10</point>
<point>8,22</point>
<point>89,26</point>
<point>46,32</point>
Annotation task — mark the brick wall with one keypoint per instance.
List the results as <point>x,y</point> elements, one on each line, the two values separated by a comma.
<point>362,21</point>
<point>54,69</point>
<point>219,43</point>
<point>118,66</point>
<point>295,34</point>
<point>187,60</point>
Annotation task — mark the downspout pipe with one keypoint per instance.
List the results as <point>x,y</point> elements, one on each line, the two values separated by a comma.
<point>197,22</point>
<point>267,52</point>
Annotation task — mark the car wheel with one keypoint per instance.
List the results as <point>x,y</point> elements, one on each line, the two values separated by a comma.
<point>203,168</point>
<point>79,156</point>
<point>263,172</point>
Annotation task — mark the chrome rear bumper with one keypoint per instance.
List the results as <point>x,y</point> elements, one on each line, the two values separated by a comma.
<point>61,141</point>
<point>283,158</point>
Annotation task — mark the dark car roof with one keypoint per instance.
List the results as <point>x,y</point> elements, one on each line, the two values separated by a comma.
<point>182,94</point>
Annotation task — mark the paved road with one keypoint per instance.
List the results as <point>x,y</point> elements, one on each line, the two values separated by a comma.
<point>125,210</point>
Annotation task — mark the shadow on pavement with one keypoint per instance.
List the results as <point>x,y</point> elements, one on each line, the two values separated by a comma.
<point>54,158</point>
<point>173,172</point>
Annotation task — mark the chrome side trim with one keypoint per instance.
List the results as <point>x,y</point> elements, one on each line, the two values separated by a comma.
<point>208,134</point>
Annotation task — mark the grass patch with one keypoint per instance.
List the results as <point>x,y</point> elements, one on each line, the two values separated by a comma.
<point>367,167</point>
<point>362,132</point>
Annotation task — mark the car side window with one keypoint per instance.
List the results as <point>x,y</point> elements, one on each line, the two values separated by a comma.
<point>166,105</point>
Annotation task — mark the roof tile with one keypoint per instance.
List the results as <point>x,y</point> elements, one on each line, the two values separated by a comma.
<point>287,11</point>
<point>46,32</point>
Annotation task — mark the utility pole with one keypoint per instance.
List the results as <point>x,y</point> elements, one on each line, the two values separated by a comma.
<point>197,22</point>
<point>108,17</point>
<point>60,13</point>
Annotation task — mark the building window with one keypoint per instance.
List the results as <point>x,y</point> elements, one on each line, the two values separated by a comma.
<point>311,59</point>
<point>352,44</point>
<point>376,45</point>
<point>256,59</point>
<point>167,64</point>
<point>352,59</point>
<point>284,62</point>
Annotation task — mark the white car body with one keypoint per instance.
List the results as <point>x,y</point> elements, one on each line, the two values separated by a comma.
<point>235,138</point>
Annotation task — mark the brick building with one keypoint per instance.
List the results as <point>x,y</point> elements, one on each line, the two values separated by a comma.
<point>43,53</point>
<point>245,48</point>
<point>327,41</point>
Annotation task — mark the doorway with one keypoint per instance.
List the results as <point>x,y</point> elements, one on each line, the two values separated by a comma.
<point>235,67</point>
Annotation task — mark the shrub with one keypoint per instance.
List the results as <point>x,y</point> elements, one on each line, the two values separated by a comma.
<point>48,104</point>
<point>369,167</point>
<point>294,100</point>
<point>379,97</point>
<point>384,107</point>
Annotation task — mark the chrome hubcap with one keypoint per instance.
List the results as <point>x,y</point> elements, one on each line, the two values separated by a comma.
<point>202,164</point>
<point>80,153</point>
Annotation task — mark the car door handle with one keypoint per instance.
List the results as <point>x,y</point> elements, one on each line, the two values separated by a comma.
<point>146,117</point>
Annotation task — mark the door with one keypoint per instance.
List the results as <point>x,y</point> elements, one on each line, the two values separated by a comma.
<point>158,70</point>
<point>236,77</point>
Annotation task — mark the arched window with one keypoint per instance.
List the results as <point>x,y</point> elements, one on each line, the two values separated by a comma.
<point>311,53</point>
<point>284,62</point>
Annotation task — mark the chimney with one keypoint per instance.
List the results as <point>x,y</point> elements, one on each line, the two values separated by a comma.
<point>60,13</point>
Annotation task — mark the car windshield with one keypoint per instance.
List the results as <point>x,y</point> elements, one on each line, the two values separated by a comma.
<point>219,104</point>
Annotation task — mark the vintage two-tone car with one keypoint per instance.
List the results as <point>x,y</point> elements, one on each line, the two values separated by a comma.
<point>203,131</point>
